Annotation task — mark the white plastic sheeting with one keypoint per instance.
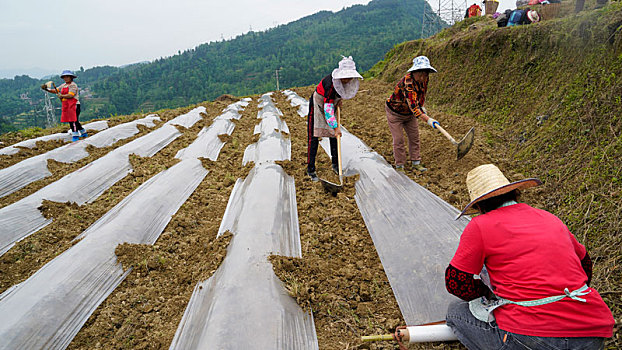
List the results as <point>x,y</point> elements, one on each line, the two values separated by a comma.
<point>413,230</point>
<point>63,136</point>
<point>47,310</point>
<point>35,168</point>
<point>233,110</point>
<point>84,185</point>
<point>296,101</point>
<point>244,305</point>
<point>207,144</point>
<point>272,144</point>
<point>270,122</point>
<point>189,119</point>
<point>270,147</point>
<point>277,217</point>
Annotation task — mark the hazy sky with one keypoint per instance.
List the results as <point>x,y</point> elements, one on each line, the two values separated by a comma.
<point>62,34</point>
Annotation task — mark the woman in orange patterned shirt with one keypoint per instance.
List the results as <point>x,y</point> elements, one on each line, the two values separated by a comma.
<point>403,108</point>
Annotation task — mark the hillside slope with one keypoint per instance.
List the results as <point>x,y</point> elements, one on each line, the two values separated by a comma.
<point>549,96</point>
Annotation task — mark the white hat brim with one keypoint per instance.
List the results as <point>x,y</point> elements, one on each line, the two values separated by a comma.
<point>345,74</point>
<point>416,68</point>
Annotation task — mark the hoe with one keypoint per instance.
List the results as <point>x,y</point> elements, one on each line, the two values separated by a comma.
<point>334,188</point>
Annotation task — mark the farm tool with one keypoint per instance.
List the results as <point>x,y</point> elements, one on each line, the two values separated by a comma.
<point>464,145</point>
<point>430,332</point>
<point>334,188</point>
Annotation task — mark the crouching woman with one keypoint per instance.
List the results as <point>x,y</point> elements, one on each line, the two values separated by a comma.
<point>539,273</point>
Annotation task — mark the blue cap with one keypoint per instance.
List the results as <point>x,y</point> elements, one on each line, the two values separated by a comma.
<point>68,72</point>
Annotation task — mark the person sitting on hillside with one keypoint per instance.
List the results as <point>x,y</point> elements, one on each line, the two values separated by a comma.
<point>539,273</point>
<point>341,84</point>
<point>520,17</point>
<point>403,109</point>
<point>473,11</point>
<point>70,105</point>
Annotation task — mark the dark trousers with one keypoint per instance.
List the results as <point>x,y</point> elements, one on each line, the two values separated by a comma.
<point>76,126</point>
<point>313,142</point>
<point>478,335</point>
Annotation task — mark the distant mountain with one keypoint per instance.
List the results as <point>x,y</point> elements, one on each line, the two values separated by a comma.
<point>133,64</point>
<point>304,51</point>
<point>34,72</point>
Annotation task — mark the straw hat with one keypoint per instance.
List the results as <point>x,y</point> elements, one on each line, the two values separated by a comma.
<point>487,181</point>
<point>533,16</point>
<point>421,63</point>
<point>68,73</point>
<point>347,69</point>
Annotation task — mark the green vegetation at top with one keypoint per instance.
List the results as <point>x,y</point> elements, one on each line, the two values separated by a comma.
<point>304,50</point>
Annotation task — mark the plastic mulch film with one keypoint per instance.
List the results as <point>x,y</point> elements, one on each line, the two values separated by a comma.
<point>229,114</point>
<point>35,168</point>
<point>209,144</point>
<point>413,230</point>
<point>296,101</point>
<point>244,305</point>
<point>48,309</point>
<point>22,218</point>
<point>272,144</point>
<point>189,119</point>
<point>63,136</point>
<point>266,183</point>
<point>269,108</point>
<point>270,147</point>
<point>233,110</point>
<point>270,122</point>
<point>267,105</point>
<point>239,106</point>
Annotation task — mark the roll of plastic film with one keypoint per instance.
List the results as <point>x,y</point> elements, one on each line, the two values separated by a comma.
<point>423,334</point>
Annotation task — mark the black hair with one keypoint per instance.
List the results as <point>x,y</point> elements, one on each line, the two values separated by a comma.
<point>495,202</point>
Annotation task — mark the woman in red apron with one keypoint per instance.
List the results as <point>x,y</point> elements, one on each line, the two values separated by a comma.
<point>70,108</point>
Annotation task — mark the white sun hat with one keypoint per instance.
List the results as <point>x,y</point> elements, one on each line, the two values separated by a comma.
<point>533,16</point>
<point>347,69</point>
<point>487,181</point>
<point>421,63</point>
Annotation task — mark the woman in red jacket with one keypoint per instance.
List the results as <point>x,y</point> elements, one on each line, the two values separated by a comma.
<point>539,274</point>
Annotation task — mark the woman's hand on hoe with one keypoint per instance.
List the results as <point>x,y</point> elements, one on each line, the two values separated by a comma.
<point>338,131</point>
<point>431,121</point>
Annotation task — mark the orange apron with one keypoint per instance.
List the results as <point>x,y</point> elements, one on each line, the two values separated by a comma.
<point>68,108</point>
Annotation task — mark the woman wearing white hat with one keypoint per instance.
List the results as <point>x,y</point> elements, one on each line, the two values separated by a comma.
<point>341,84</point>
<point>70,105</point>
<point>404,107</point>
<point>539,273</point>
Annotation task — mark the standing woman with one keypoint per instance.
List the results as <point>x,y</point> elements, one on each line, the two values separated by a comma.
<point>540,275</point>
<point>343,83</point>
<point>403,108</point>
<point>70,105</point>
